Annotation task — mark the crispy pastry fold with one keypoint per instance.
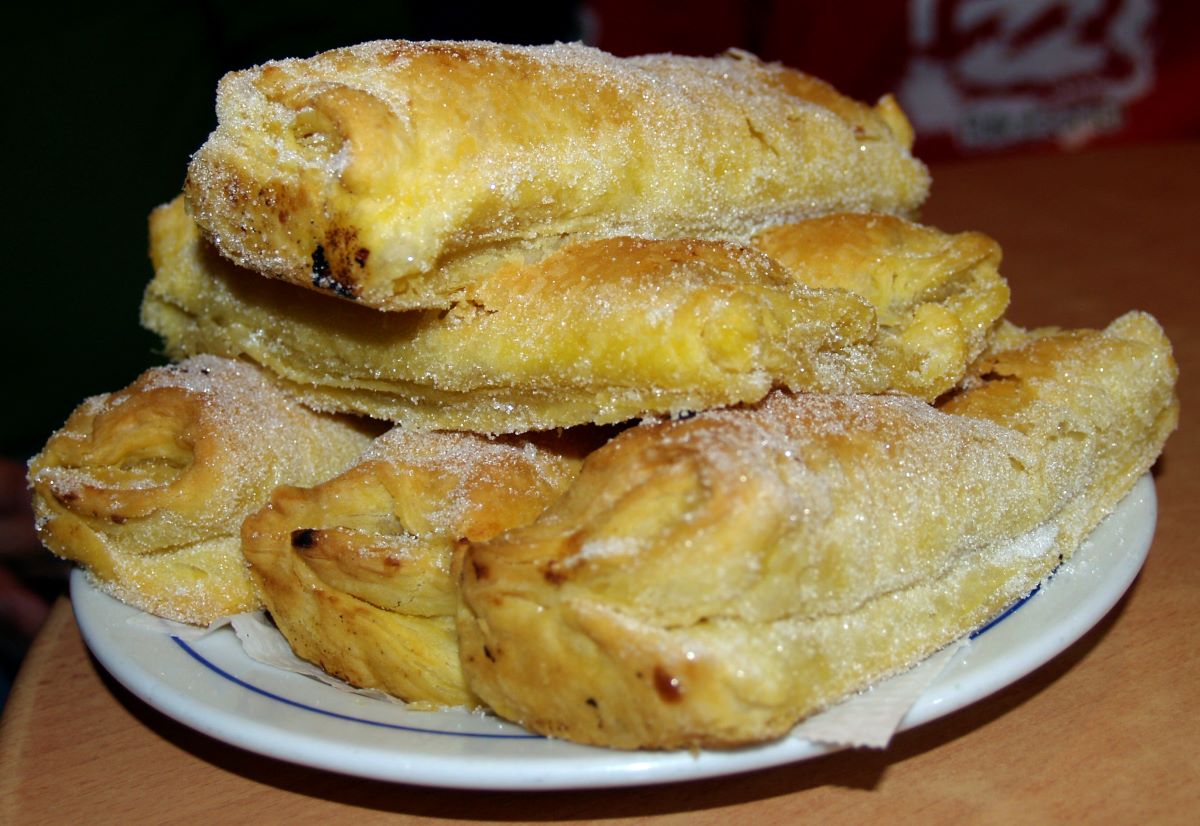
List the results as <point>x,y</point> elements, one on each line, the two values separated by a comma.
<point>937,296</point>
<point>356,571</point>
<point>602,331</point>
<point>710,581</point>
<point>397,173</point>
<point>146,487</point>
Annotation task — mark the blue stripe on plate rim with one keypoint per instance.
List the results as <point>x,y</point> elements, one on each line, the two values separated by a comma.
<point>271,695</point>
<point>216,669</point>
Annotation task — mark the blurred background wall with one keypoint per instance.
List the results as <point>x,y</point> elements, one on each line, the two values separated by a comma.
<point>975,76</point>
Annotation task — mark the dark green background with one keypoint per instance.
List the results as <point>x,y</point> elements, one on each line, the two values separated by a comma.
<point>102,109</point>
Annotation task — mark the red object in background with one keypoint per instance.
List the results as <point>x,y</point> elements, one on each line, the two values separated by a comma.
<point>975,76</point>
<point>22,609</point>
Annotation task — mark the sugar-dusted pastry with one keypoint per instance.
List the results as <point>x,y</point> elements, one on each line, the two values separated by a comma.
<point>599,332</point>
<point>937,296</point>
<point>397,173</point>
<point>147,487</point>
<point>707,582</point>
<point>356,571</point>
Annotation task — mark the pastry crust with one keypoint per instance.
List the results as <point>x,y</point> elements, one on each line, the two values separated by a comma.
<point>146,487</point>
<point>937,296</point>
<point>709,582</point>
<point>356,571</point>
<point>599,332</point>
<point>397,173</point>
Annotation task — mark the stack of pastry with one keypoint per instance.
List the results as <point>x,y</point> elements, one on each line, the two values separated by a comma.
<point>694,430</point>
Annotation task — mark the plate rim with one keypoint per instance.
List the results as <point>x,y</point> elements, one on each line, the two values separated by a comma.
<point>571,766</point>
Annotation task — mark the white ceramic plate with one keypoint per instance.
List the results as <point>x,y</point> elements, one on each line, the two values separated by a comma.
<point>213,686</point>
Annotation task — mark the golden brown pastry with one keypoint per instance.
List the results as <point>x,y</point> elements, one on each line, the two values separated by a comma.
<point>708,582</point>
<point>599,332</point>
<point>356,570</point>
<point>937,296</point>
<point>146,487</point>
<point>397,173</point>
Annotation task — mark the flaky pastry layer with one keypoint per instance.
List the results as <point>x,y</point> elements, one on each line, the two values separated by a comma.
<point>396,173</point>
<point>356,571</point>
<point>709,582</point>
<point>937,296</point>
<point>602,331</point>
<point>147,487</point>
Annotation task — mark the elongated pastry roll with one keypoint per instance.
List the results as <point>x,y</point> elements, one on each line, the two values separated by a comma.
<point>397,173</point>
<point>708,582</point>
<point>147,487</point>
<point>599,332</point>
<point>356,571</point>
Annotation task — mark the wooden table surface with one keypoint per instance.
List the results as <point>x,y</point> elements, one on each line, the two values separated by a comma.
<point>1106,732</point>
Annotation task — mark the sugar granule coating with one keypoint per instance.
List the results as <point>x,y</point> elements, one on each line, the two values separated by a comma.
<point>146,487</point>
<point>708,582</point>
<point>358,570</point>
<point>397,173</point>
<point>607,330</point>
